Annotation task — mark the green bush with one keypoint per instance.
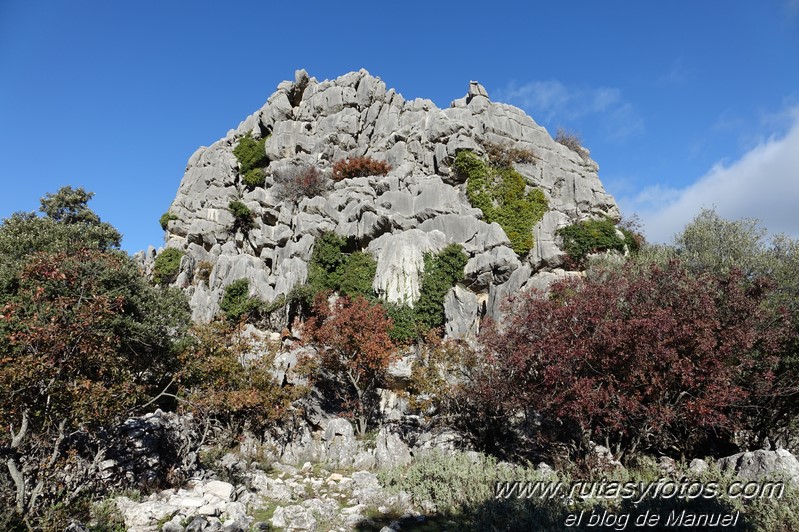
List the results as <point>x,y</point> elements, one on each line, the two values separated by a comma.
<point>252,160</point>
<point>592,236</point>
<point>250,153</point>
<point>441,272</point>
<point>166,218</point>
<point>357,273</point>
<point>237,304</point>
<point>167,265</point>
<point>243,217</point>
<point>254,177</point>
<point>327,260</point>
<point>632,240</point>
<point>331,268</point>
<point>500,193</point>
<point>404,327</point>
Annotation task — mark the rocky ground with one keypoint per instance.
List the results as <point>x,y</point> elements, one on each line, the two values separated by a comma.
<point>282,497</point>
<point>314,498</point>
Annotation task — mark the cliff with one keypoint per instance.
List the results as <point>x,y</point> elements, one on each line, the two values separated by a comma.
<point>420,206</point>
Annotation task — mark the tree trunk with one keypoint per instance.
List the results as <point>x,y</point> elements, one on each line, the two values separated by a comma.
<point>13,470</point>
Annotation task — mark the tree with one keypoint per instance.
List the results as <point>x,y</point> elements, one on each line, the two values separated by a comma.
<point>226,380</point>
<point>68,224</point>
<point>711,243</point>
<point>351,336</point>
<point>85,339</point>
<point>653,359</point>
<point>69,206</point>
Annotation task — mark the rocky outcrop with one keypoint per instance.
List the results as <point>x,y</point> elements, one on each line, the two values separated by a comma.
<point>420,206</point>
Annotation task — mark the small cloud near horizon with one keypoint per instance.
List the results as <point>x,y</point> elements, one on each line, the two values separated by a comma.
<point>761,184</point>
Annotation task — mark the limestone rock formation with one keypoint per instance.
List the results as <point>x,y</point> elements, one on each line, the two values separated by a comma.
<point>418,207</point>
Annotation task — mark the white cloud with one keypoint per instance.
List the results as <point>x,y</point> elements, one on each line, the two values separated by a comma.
<point>549,101</point>
<point>677,74</point>
<point>762,184</point>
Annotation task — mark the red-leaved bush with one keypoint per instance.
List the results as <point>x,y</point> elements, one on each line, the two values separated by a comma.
<point>359,167</point>
<point>351,336</point>
<point>652,359</point>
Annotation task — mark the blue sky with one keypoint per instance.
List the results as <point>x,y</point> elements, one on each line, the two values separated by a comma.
<point>683,104</point>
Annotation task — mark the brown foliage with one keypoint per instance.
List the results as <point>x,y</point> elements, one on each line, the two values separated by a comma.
<point>570,140</point>
<point>299,182</point>
<point>203,271</point>
<point>658,359</point>
<point>504,155</point>
<point>226,379</point>
<point>359,167</point>
<point>66,370</point>
<point>352,338</point>
<point>63,358</point>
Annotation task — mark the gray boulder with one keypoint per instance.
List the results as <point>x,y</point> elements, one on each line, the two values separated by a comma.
<point>340,445</point>
<point>390,450</point>
<point>461,309</point>
<point>763,465</point>
<point>294,517</point>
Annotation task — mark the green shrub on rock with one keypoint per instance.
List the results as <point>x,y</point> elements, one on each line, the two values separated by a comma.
<point>404,328</point>
<point>332,268</point>
<point>250,153</point>
<point>441,272</point>
<point>167,265</point>
<point>500,193</point>
<point>242,216</point>
<point>592,236</point>
<point>253,178</point>
<point>237,304</point>
<point>166,218</point>
<point>357,273</point>
<point>327,260</point>
<point>252,158</point>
